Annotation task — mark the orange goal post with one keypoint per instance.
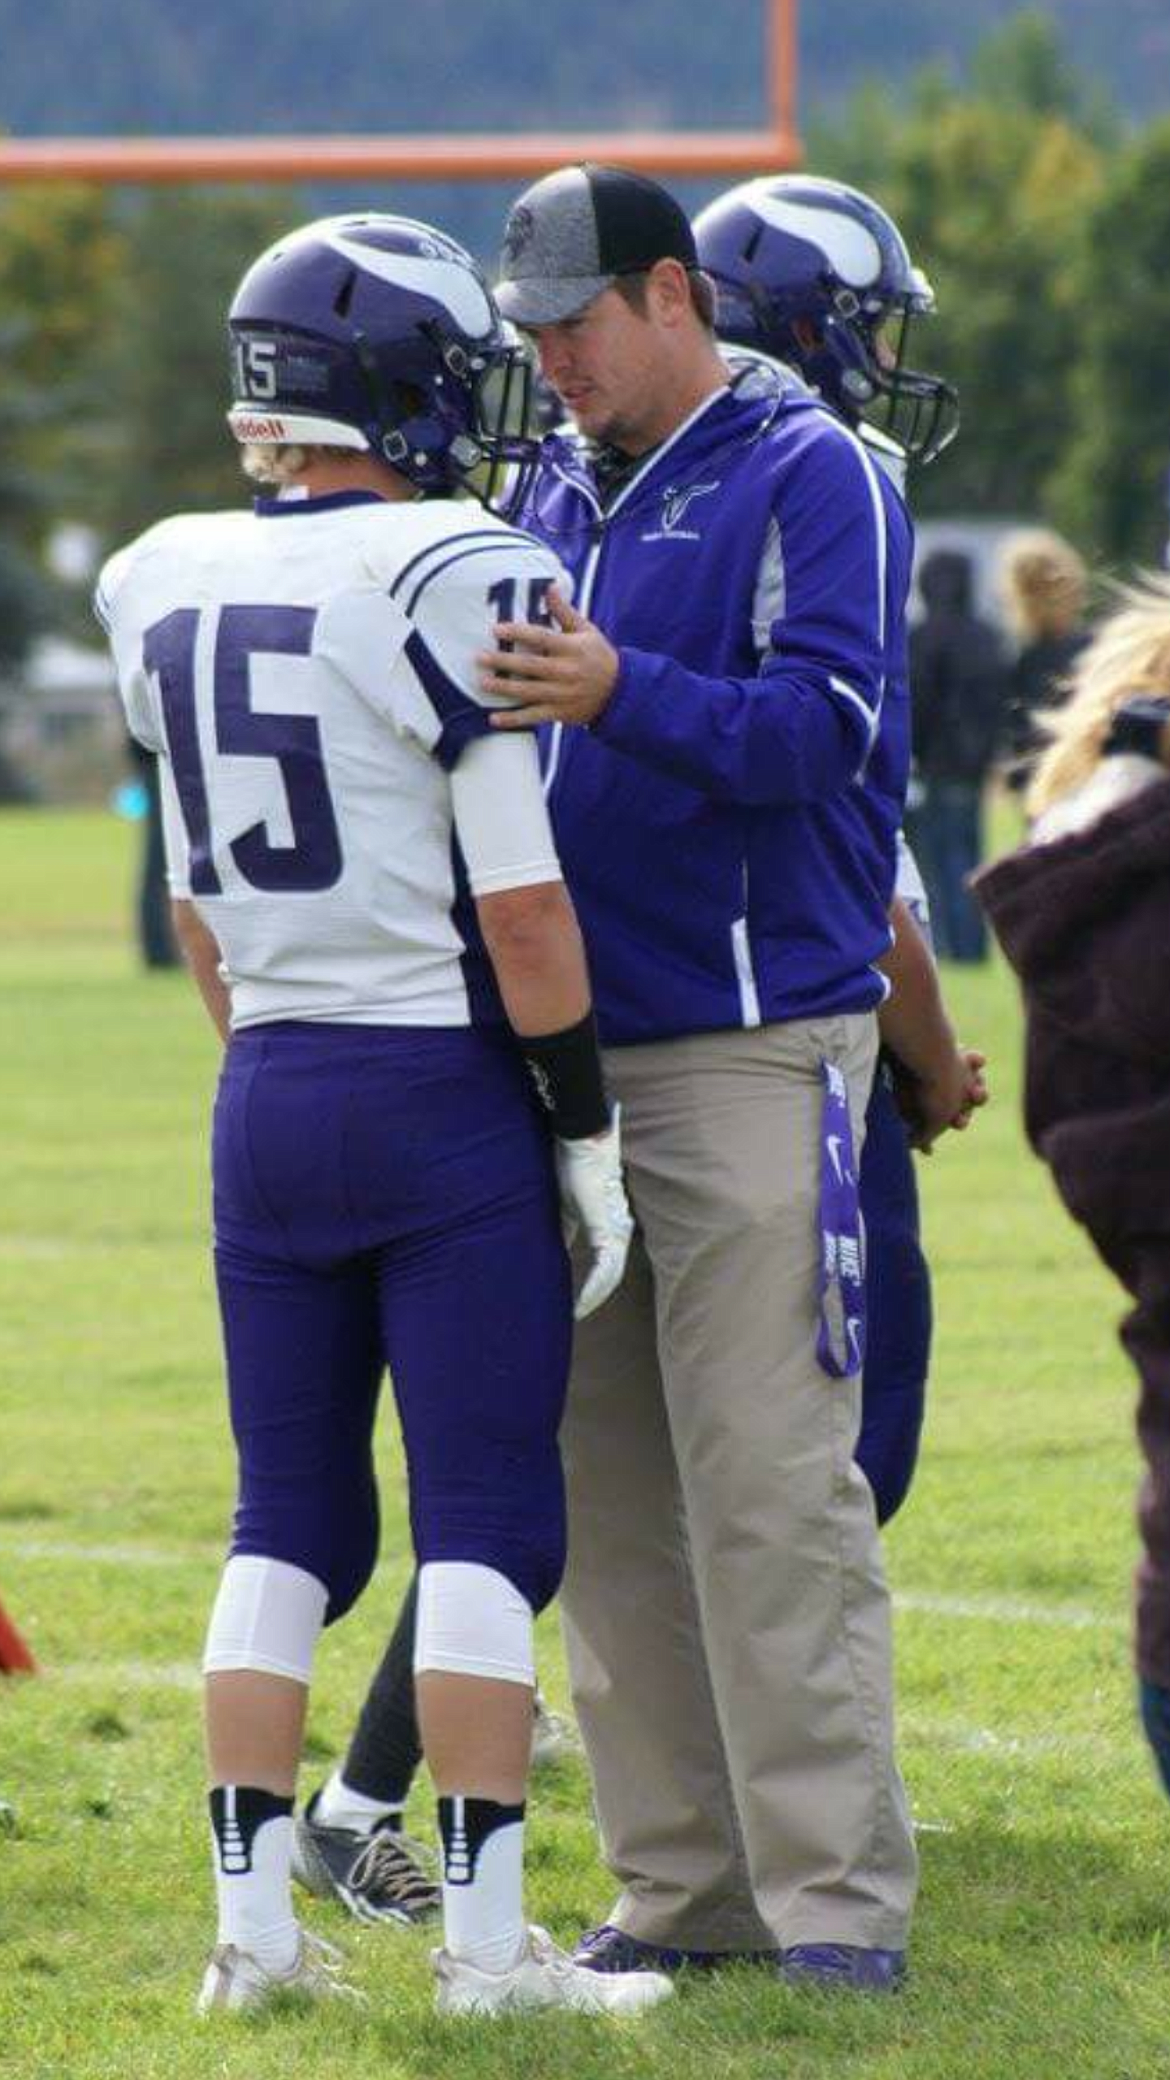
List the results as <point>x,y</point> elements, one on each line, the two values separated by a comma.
<point>520,156</point>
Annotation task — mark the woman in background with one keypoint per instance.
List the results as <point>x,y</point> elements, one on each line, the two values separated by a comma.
<point>1044,584</point>
<point>1083,914</point>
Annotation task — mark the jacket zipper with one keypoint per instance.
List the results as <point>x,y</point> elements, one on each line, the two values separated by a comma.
<point>588,577</point>
<point>581,602</point>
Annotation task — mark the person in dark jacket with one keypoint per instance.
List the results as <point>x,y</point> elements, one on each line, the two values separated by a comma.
<point>958,692</point>
<point>1083,915</point>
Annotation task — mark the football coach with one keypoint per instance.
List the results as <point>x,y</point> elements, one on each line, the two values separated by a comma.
<point>725,770</point>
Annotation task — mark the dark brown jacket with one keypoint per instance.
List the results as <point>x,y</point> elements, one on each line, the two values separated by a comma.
<point>1085,922</point>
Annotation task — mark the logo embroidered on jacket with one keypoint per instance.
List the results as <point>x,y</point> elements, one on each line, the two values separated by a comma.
<point>675,506</point>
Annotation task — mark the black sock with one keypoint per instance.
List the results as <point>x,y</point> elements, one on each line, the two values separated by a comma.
<point>385,1750</point>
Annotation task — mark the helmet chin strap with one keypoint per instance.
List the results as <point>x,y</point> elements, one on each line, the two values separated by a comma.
<point>394,445</point>
<point>845,344</point>
<point>367,362</point>
<point>857,386</point>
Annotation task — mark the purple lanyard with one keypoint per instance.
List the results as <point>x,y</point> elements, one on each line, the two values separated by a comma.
<point>841,1335</point>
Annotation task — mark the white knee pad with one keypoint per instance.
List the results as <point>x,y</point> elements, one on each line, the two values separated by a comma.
<point>472,1621</point>
<point>266,1616</point>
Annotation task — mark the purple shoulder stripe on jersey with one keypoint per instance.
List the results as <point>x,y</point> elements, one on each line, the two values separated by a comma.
<point>461,717</point>
<point>488,548</point>
<point>841,1335</point>
<point>480,537</point>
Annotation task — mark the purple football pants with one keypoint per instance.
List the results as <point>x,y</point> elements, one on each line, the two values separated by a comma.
<point>384,1196</point>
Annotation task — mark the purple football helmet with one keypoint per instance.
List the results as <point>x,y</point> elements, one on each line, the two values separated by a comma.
<point>816,274</point>
<point>378,333</point>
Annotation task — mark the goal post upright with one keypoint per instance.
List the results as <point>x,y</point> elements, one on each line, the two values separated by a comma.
<point>449,157</point>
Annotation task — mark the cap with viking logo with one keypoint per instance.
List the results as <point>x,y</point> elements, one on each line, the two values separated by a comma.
<point>572,234</point>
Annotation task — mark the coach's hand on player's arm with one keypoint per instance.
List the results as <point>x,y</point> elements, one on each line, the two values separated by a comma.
<point>561,674</point>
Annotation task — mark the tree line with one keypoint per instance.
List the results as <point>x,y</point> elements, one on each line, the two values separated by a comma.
<point>1043,222</point>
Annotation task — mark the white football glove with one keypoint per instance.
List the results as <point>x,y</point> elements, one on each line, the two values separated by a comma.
<point>589,1174</point>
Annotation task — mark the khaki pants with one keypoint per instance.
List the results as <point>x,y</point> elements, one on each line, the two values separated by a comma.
<point>726,1614</point>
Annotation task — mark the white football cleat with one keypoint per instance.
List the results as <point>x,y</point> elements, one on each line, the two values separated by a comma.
<point>543,1977</point>
<point>234,1979</point>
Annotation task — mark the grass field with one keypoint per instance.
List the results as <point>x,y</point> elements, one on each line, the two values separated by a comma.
<point>1043,1942</point>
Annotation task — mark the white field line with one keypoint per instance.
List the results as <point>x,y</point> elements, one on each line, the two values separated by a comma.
<point>127,1556</point>
<point>960,1735</point>
<point>999,1610</point>
<point>108,1556</point>
<point>1001,1745</point>
<point>127,1675</point>
<point>1009,1610</point>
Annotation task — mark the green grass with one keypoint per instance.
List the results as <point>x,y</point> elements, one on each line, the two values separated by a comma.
<point>1043,1940</point>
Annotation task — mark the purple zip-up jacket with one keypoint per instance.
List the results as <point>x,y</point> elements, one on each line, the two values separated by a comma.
<point>728,824</point>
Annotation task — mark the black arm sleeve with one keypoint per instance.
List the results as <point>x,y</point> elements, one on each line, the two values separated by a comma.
<point>566,1070</point>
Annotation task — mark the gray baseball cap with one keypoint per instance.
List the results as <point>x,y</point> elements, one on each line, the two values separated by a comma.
<point>573,233</point>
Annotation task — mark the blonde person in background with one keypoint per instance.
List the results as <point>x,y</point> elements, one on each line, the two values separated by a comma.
<point>1083,915</point>
<point>1044,585</point>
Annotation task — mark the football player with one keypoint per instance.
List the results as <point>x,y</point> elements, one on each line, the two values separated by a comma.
<point>368,896</point>
<point>816,276</point>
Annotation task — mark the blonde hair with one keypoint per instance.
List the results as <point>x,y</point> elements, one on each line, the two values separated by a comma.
<point>1043,581</point>
<point>281,462</point>
<point>1130,654</point>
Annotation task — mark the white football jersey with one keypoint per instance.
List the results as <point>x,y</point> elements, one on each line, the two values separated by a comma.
<point>307,674</point>
<point>909,884</point>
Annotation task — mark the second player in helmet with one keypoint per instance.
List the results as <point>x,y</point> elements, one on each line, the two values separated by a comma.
<point>816,274</point>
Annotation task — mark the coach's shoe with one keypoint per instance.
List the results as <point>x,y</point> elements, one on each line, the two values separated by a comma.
<point>843,1967</point>
<point>375,1877</point>
<point>234,1979</point>
<point>543,1977</point>
<point>610,1949</point>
